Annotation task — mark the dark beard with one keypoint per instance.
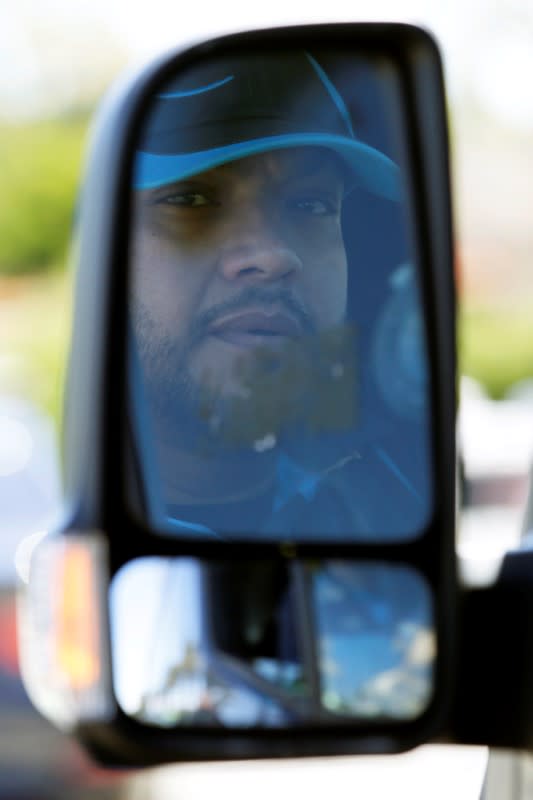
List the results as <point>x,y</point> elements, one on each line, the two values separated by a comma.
<point>285,393</point>
<point>203,416</point>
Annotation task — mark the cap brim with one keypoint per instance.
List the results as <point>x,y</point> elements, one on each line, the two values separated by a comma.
<point>372,169</point>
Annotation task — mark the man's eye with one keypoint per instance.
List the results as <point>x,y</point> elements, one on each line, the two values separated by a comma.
<point>187,200</point>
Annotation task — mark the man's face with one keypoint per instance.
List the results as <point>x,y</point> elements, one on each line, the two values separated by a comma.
<point>234,265</point>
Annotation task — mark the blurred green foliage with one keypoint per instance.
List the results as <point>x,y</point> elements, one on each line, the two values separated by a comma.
<point>496,345</point>
<point>35,319</point>
<point>40,167</point>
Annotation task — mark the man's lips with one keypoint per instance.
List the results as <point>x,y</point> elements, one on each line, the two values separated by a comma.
<point>256,326</point>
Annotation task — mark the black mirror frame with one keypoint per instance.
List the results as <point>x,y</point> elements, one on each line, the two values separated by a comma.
<point>94,433</point>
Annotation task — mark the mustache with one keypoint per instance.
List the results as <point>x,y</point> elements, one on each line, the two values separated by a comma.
<point>280,298</point>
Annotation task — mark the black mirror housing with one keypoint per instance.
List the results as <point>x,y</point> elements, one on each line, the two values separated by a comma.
<point>103,458</point>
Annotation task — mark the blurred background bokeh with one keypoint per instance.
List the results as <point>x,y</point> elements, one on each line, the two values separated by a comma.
<point>57,57</point>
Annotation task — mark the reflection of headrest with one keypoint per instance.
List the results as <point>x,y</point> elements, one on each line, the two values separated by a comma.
<point>398,353</point>
<point>231,108</point>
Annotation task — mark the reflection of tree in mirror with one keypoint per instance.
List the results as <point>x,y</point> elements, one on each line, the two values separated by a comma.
<point>183,692</point>
<point>191,664</point>
<point>193,693</point>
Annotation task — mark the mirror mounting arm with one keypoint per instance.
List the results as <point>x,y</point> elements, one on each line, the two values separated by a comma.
<point>493,703</point>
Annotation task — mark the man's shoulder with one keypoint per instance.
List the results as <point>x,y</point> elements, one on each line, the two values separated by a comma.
<point>363,494</point>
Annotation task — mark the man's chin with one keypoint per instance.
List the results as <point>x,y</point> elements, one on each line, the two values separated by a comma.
<point>231,365</point>
<point>208,418</point>
<point>242,398</point>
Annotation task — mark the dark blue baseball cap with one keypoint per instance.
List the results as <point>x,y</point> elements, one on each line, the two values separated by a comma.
<point>236,107</point>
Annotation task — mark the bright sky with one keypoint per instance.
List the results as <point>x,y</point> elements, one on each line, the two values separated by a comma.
<point>49,47</point>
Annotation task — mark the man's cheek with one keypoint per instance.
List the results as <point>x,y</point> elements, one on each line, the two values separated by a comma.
<point>338,278</point>
<point>329,293</point>
<point>340,287</point>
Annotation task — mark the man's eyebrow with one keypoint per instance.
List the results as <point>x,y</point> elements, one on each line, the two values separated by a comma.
<point>190,183</point>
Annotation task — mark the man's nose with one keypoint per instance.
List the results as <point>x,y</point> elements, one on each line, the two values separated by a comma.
<point>256,253</point>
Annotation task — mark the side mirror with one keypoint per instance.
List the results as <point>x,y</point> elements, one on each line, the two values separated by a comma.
<point>257,557</point>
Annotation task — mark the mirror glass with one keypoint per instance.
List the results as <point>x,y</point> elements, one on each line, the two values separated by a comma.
<point>278,374</point>
<point>270,644</point>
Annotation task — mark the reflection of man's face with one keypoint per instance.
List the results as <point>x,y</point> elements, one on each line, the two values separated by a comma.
<point>246,257</point>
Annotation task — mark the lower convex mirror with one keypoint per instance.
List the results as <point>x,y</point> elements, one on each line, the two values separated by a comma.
<point>239,644</point>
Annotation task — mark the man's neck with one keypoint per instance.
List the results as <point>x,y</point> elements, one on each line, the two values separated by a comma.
<point>205,477</point>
